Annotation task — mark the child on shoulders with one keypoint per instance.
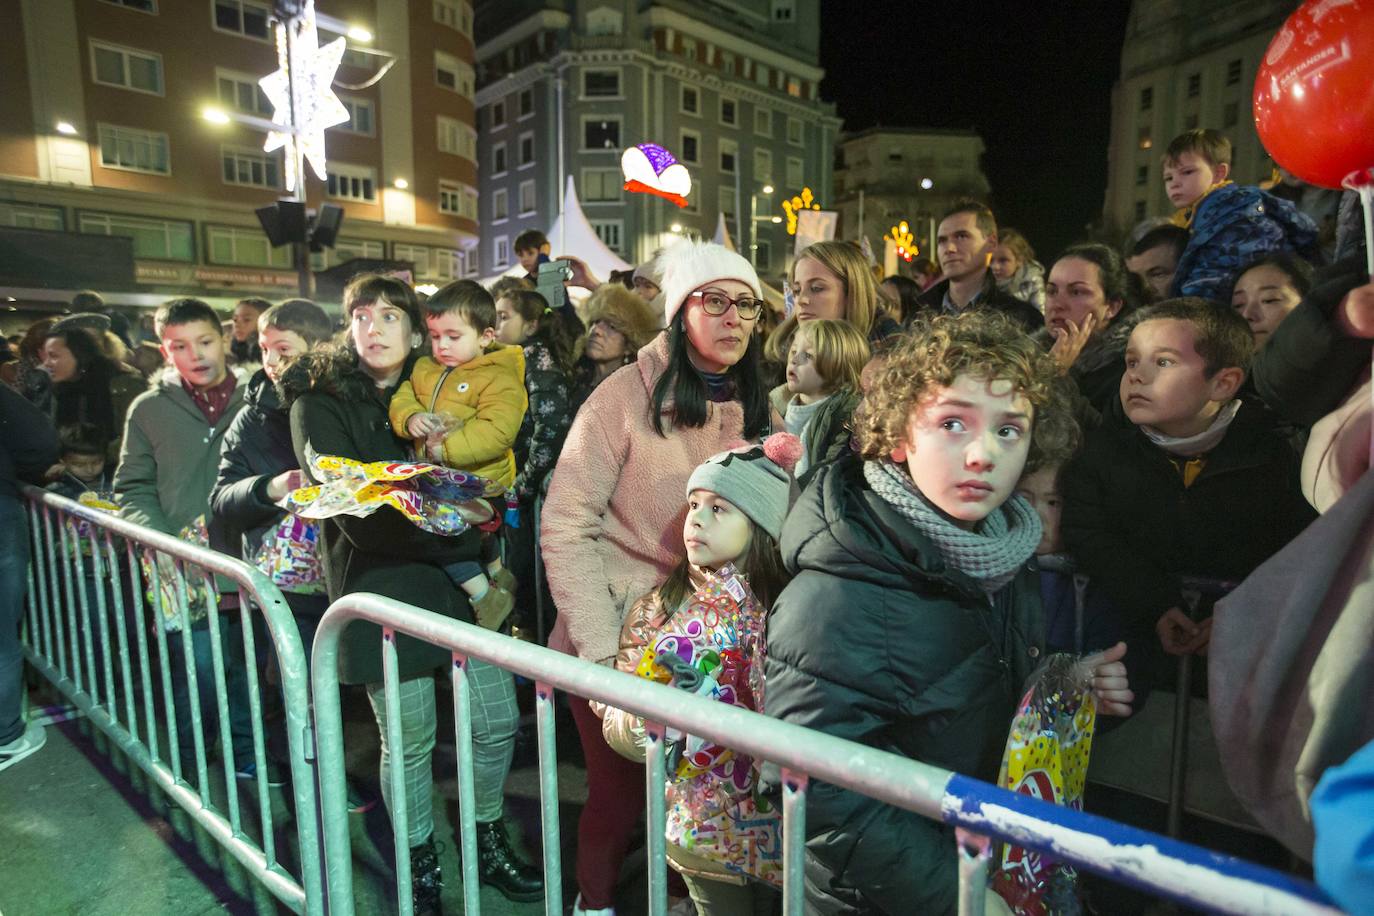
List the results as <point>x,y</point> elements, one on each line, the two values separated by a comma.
<point>463,408</point>
<point>1229,225</point>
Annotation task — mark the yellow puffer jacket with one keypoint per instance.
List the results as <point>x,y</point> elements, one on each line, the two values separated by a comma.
<point>487,394</point>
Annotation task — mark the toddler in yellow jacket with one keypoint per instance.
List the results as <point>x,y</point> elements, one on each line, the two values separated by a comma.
<point>463,408</point>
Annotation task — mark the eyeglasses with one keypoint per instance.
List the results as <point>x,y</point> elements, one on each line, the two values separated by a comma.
<point>718,304</point>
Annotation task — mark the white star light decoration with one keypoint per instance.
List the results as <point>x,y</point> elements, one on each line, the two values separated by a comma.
<point>315,105</point>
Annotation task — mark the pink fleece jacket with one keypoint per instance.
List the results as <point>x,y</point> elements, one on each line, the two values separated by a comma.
<point>612,523</point>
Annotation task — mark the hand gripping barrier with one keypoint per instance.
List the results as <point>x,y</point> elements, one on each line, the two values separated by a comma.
<point>1154,863</point>
<point>87,562</point>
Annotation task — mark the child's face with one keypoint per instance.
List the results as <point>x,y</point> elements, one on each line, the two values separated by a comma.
<point>1004,262</point>
<point>818,291</point>
<point>802,376</point>
<point>279,347</point>
<point>1041,490</point>
<point>85,468</point>
<point>511,326</point>
<point>966,446</point>
<point>715,532</point>
<point>196,350</point>
<point>1074,291</point>
<point>529,259</point>
<point>245,321</point>
<point>455,341</point>
<point>1264,296</point>
<point>1187,178</point>
<point>1165,385</point>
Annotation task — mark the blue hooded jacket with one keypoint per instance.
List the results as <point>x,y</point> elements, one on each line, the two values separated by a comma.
<point>1234,225</point>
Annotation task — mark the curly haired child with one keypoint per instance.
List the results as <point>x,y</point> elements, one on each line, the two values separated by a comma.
<point>913,616</point>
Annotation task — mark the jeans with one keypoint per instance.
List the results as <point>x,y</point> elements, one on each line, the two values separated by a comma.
<point>235,684</point>
<point>14,562</point>
<point>495,719</point>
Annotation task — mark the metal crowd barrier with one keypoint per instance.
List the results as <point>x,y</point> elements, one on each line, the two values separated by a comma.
<point>1157,864</point>
<point>76,653</point>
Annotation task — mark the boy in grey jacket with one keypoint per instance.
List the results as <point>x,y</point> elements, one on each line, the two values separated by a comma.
<point>167,467</point>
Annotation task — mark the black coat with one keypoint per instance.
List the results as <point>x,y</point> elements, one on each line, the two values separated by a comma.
<point>1136,530</point>
<point>876,641</point>
<point>256,448</point>
<point>992,298</point>
<point>28,442</point>
<point>382,553</point>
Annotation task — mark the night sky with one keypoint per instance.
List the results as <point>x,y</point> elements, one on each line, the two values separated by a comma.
<point>1034,80</point>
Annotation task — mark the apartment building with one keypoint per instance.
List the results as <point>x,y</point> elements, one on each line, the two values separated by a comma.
<point>102,134</point>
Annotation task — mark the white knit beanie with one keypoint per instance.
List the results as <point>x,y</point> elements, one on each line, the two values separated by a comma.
<point>690,265</point>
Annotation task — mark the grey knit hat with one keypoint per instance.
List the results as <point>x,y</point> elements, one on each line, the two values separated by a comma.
<point>755,478</point>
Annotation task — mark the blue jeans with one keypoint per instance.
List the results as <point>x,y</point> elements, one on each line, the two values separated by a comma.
<point>235,685</point>
<point>14,564</point>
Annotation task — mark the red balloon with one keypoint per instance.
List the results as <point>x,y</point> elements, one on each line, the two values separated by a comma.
<point>1314,93</point>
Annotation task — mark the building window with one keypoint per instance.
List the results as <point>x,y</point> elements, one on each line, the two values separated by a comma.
<point>250,167</point>
<point>600,134</point>
<point>1230,114</point>
<point>729,112</point>
<point>1233,72</point>
<point>126,68</point>
<point>500,247</point>
<point>796,177</point>
<point>1194,85</point>
<point>689,49</point>
<point>527,205</point>
<point>360,116</point>
<point>500,206</point>
<point>1147,98</point>
<point>243,17</point>
<point>350,249</point>
<point>155,239</point>
<point>449,13</point>
<point>450,198</point>
<point>794,131</point>
<point>1143,139</point>
<point>604,21</point>
<point>447,264</point>
<point>352,182</point>
<point>727,62</point>
<point>763,165</point>
<point>134,150</point>
<point>727,201</point>
<point>601,186</point>
<point>762,75</point>
<point>601,84</point>
<point>784,10</point>
<point>1139,210</point>
<point>452,73</point>
<point>690,150</point>
<point>416,255</point>
<point>526,150</point>
<point>31,216</point>
<point>143,6</point>
<point>763,122</point>
<point>242,93</point>
<point>794,87</point>
<point>456,137</point>
<point>498,159</point>
<point>498,114</point>
<point>729,156</point>
<point>243,248</point>
<point>690,101</point>
<point>1142,174</point>
<point>525,104</point>
<point>609,231</point>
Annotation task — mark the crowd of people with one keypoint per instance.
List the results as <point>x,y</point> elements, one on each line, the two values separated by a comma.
<point>870,476</point>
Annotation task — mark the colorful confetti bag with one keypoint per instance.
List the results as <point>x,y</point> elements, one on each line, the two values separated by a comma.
<point>289,555</point>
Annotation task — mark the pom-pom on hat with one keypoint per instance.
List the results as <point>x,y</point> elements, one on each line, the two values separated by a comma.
<point>756,479</point>
<point>691,264</point>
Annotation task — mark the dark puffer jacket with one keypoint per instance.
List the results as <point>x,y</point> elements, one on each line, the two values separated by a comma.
<point>546,422</point>
<point>877,641</point>
<point>256,448</point>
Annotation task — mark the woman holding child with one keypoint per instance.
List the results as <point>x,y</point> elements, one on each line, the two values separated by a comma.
<point>338,402</point>
<point>913,618</point>
<point>613,519</point>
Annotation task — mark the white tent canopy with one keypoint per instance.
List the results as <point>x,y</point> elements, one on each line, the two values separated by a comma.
<point>571,234</point>
<point>723,234</point>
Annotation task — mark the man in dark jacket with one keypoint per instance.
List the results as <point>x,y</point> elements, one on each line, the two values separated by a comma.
<point>966,240</point>
<point>28,447</point>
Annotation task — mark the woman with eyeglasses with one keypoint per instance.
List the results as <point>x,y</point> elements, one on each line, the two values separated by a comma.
<point>614,513</point>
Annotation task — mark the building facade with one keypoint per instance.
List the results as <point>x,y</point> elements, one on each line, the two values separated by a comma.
<point>1185,65</point>
<point>104,135</point>
<point>731,89</point>
<point>885,175</point>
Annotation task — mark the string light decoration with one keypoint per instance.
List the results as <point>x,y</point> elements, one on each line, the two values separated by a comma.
<point>803,201</point>
<point>906,242</point>
<point>302,95</point>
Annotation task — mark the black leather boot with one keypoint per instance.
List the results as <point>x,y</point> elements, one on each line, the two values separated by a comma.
<point>499,866</point>
<point>426,883</point>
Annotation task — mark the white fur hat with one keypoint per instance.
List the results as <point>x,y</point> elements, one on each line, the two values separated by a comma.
<point>690,265</point>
